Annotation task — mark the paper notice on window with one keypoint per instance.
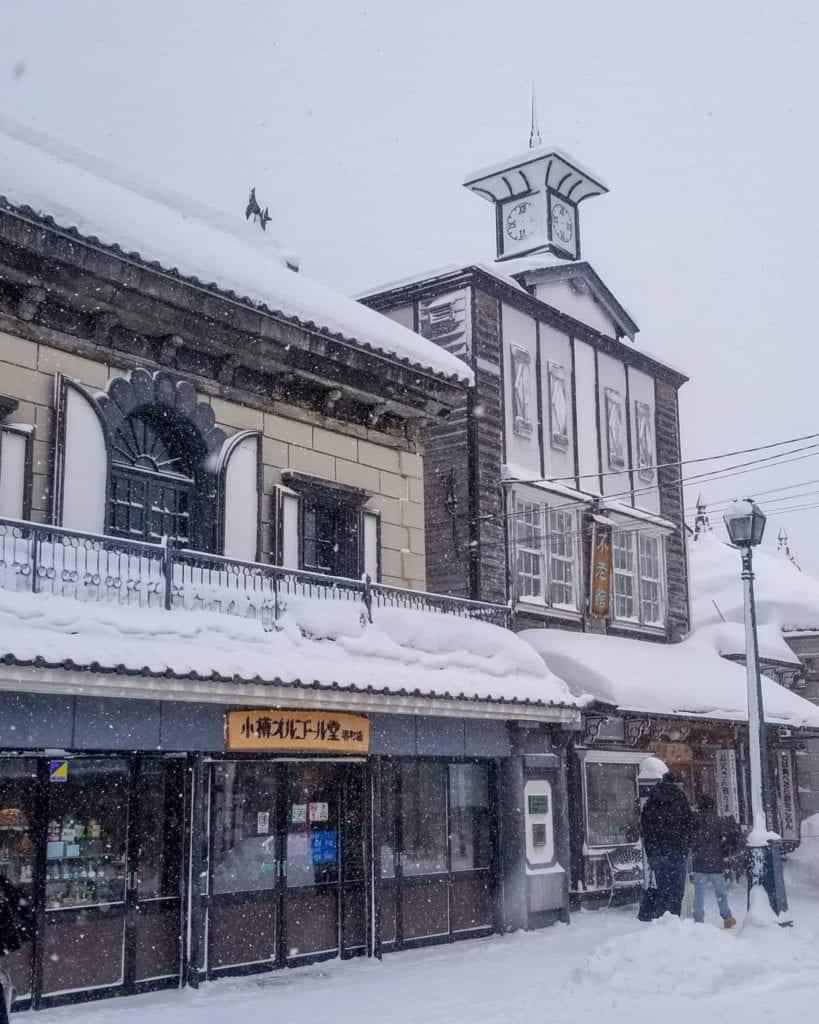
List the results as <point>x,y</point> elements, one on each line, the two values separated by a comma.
<point>262,823</point>
<point>319,812</point>
<point>298,814</point>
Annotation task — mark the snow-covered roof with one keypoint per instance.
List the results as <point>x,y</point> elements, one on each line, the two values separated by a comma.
<point>785,597</point>
<point>104,204</point>
<point>560,171</point>
<point>322,645</point>
<point>687,679</point>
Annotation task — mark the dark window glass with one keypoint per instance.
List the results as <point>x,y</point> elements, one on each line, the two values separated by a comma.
<point>18,787</point>
<point>469,816</point>
<point>352,860</point>
<point>388,803</point>
<point>87,832</point>
<point>312,826</point>
<point>423,818</point>
<point>613,808</point>
<point>244,806</point>
<point>161,816</point>
<point>330,532</point>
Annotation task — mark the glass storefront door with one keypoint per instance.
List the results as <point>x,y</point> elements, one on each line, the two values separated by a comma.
<point>287,868</point>
<point>436,854</point>
<point>96,845</point>
<point>18,809</point>
<point>86,876</point>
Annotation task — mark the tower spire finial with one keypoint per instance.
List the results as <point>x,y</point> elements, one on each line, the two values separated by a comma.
<point>534,132</point>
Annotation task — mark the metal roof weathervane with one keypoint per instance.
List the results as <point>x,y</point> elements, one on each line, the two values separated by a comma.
<point>261,217</point>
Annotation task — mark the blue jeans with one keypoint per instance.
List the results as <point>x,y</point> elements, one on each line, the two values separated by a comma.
<point>669,874</point>
<point>701,879</point>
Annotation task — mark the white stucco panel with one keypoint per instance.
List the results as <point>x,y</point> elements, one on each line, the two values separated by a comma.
<point>575,299</point>
<point>12,474</point>
<point>586,397</point>
<point>556,388</point>
<point>242,499</point>
<point>520,390</point>
<point>643,440</point>
<point>614,427</point>
<point>85,465</point>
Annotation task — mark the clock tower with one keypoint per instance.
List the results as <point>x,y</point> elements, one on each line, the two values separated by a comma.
<point>537,198</point>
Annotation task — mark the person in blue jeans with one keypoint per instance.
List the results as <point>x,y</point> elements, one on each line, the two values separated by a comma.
<point>713,837</point>
<point>666,825</point>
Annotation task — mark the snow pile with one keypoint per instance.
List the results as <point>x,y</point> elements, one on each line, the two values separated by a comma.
<point>322,641</point>
<point>675,958</point>
<point>785,597</point>
<point>687,679</point>
<point>233,255</point>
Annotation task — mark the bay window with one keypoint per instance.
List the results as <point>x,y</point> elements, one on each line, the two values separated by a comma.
<point>546,554</point>
<point>638,577</point>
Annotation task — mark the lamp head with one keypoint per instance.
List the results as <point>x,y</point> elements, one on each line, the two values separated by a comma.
<point>745,523</point>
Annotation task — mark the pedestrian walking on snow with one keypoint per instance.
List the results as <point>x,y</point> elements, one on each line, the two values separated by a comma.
<point>713,839</point>
<point>667,824</point>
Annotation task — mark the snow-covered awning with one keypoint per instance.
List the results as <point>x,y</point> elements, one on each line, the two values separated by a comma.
<point>687,679</point>
<point>407,661</point>
<point>103,204</point>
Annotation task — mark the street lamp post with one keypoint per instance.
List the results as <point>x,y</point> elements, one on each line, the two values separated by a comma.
<point>745,523</point>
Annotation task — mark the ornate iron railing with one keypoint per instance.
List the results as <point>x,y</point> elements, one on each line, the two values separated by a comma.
<point>111,570</point>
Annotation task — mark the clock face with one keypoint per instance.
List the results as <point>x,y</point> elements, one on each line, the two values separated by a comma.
<point>520,222</point>
<point>562,222</point>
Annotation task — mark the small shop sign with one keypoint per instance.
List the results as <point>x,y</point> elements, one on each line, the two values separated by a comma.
<point>58,771</point>
<point>727,791</point>
<point>324,731</point>
<point>600,585</point>
<point>788,824</point>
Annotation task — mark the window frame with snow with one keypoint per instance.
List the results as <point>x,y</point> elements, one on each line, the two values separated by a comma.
<point>638,577</point>
<point>545,548</point>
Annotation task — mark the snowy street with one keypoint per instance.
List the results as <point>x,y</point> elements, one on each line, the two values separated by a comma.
<point>606,965</point>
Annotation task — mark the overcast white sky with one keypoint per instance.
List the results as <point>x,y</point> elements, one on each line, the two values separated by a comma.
<point>357,122</point>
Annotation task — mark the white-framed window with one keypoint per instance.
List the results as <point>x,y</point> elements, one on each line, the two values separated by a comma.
<point>651,579</point>
<point>546,554</point>
<point>529,550</point>
<point>638,577</point>
<point>562,558</point>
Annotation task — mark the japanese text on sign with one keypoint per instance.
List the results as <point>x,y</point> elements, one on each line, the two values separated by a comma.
<point>298,730</point>
<point>600,571</point>
<point>788,825</point>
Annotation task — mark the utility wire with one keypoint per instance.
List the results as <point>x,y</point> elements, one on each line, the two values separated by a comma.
<point>673,465</point>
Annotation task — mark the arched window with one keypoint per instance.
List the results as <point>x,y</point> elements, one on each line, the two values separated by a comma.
<point>163,460</point>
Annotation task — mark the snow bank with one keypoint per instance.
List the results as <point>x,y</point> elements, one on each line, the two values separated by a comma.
<point>320,641</point>
<point>676,958</point>
<point>231,254</point>
<point>687,679</point>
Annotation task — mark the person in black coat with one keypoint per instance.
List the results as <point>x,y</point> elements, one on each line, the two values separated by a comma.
<point>714,837</point>
<point>667,825</point>
<point>16,928</point>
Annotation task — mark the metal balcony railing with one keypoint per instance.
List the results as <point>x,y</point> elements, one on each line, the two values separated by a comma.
<point>111,570</point>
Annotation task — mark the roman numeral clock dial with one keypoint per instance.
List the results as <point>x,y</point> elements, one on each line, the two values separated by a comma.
<point>521,221</point>
<point>563,224</point>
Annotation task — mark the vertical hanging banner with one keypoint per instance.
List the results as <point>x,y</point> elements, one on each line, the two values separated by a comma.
<point>600,583</point>
<point>788,822</point>
<point>727,793</point>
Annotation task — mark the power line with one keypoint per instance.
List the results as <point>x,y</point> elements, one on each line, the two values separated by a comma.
<point>725,473</point>
<point>716,502</point>
<point>673,465</point>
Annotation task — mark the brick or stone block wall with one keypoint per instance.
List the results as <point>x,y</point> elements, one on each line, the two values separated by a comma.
<point>671,507</point>
<point>293,438</point>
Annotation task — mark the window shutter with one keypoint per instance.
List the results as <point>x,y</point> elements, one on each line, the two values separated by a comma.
<point>371,535</point>
<point>15,472</point>
<point>240,493</point>
<point>82,456</point>
<point>286,528</point>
